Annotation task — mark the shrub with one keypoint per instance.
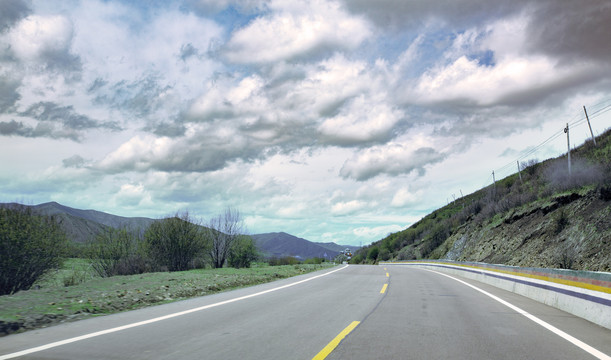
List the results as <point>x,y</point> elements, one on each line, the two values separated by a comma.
<point>561,220</point>
<point>529,166</point>
<point>567,259</point>
<point>384,254</point>
<point>242,253</point>
<point>314,260</point>
<point>357,259</point>
<point>407,253</point>
<point>30,245</point>
<point>287,260</point>
<point>118,252</point>
<point>372,254</point>
<point>175,243</point>
<point>582,173</point>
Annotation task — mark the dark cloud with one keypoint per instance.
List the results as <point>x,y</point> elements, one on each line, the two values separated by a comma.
<point>54,121</point>
<point>8,94</point>
<point>98,84</point>
<point>228,10</point>
<point>567,30</point>
<point>75,161</point>
<point>63,61</point>
<point>416,13</point>
<point>168,129</point>
<point>393,163</point>
<point>141,97</point>
<point>572,30</point>
<point>14,128</point>
<point>11,11</point>
<point>187,51</point>
<point>65,115</point>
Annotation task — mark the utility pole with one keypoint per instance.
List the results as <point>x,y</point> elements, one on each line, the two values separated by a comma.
<point>568,145</point>
<point>590,126</point>
<point>494,181</point>
<point>519,171</point>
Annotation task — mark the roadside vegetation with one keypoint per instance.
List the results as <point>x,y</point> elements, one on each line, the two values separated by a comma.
<point>45,278</point>
<point>75,291</point>
<point>541,217</point>
<point>30,245</point>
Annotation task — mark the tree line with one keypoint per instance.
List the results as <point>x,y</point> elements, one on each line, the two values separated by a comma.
<point>31,244</point>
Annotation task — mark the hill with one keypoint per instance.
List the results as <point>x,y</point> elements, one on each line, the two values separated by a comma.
<point>82,225</point>
<point>281,244</point>
<point>541,217</point>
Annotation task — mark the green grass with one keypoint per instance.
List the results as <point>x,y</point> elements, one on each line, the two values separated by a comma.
<point>51,301</point>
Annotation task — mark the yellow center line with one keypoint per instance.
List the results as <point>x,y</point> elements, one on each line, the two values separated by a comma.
<point>387,275</point>
<point>384,289</point>
<point>333,344</point>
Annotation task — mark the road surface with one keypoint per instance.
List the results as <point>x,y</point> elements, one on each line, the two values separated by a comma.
<point>353,312</point>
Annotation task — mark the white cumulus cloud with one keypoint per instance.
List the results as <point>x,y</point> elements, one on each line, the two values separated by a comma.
<point>296,29</point>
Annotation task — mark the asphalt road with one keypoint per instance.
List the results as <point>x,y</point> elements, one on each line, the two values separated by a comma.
<point>420,315</point>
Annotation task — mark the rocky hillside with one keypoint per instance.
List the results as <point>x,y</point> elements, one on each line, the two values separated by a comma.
<point>546,219</point>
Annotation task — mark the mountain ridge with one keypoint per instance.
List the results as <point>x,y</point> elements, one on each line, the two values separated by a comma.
<point>83,225</point>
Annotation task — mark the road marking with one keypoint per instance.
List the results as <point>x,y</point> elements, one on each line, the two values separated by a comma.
<point>387,275</point>
<point>333,344</point>
<point>592,351</point>
<point>383,289</point>
<point>165,317</point>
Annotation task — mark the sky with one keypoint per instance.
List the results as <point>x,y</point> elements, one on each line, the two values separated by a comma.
<point>332,120</point>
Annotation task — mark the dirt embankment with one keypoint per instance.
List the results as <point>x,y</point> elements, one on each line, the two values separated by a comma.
<point>571,230</point>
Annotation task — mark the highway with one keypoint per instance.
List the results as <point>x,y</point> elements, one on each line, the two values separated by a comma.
<point>346,312</point>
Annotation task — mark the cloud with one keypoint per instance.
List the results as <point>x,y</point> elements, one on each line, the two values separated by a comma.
<point>132,195</point>
<point>46,40</point>
<point>361,121</point>
<point>294,30</point>
<point>75,161</point>
<point>12,11</point>
<point>348,207</point>
<point>274,105</point>
<point>391,159</point>
<point>66,117</point>
<point>212,7</point>
<point>413,14</point>
<point>571,31</point>
<point>8,94</point>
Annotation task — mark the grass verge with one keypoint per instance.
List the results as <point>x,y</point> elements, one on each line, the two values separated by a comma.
<point>72,293</point>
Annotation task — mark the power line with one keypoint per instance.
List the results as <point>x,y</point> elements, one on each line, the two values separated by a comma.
<point>597,110</point>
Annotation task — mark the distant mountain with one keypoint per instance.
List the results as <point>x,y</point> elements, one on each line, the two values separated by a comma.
<point>53,208</point>
<point>82,225</point>
<point>282,244</point>
<point>336,247</point>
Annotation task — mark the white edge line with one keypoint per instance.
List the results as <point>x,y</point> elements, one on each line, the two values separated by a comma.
<point>146,322</point>
<point>555,330</point>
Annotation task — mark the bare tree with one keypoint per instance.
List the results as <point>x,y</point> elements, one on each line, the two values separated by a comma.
<point>223,231</point>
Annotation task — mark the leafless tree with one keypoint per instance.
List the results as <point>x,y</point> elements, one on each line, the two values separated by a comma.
<point>222,231</point>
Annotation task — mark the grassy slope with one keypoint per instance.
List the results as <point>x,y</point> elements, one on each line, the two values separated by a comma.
<point>51,301</point>
<point>546,220</point>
